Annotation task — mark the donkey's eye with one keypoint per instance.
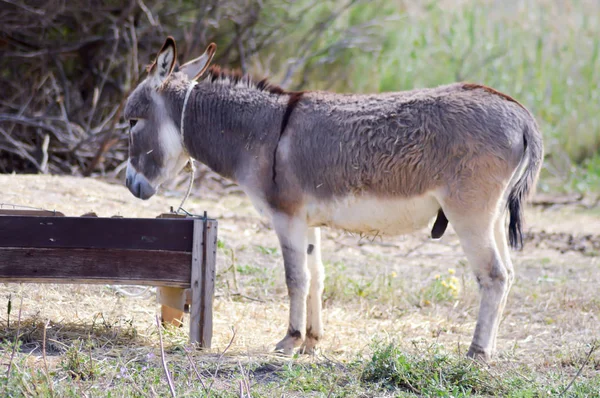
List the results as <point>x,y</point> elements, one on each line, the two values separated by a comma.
<point>132,122</point>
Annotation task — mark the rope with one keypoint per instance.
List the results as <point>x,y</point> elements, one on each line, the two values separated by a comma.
<point>14,207</point>
<point>191,166</point>
<point>185,101</point>
<point>128,294</point>
<point>192,169</point>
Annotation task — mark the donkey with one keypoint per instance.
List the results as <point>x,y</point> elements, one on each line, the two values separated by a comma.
<point>387,164</point>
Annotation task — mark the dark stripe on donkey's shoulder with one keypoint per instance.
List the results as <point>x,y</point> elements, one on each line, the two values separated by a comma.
<point>294,98</point>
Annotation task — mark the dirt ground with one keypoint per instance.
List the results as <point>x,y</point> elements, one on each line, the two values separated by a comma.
<point>377,288</point>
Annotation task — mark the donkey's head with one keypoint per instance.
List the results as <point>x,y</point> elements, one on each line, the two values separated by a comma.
<point>156,151</point>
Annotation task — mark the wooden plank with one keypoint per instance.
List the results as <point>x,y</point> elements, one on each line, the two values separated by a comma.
<point>209,265</point>
<point>98,233</point>
<point>125,267</point>
<point>171,215</point>
<point>17,212</point>
<point>195,283</point>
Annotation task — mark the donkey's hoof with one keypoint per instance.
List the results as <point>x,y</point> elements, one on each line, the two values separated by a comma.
<point>306,349</point>
<point>309,345</point>
<point>288,344</point>
<point>478,353</point>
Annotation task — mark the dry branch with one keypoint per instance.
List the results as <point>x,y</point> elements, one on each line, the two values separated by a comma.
<point>594,347</point>
<point>164,361</point>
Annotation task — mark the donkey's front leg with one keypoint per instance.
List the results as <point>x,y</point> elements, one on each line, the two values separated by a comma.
<point>314,322</point>
<point>291,232</point>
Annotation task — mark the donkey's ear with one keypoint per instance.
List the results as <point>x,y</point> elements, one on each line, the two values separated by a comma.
<point>196,67</point>
<point>161,69</point>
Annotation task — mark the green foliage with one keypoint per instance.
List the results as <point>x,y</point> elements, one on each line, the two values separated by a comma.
<point>248,269</point>
<point>388,288</point>
<point>587,177</point>
<point>386,369</point>
<point>433,373</point>
<point>442,288</point>
<point>342,285</point>
<point>267,250</point>
<point>307,378</point>
<point>77,363</point>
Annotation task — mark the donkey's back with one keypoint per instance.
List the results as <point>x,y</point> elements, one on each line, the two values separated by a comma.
<point>400,144</point>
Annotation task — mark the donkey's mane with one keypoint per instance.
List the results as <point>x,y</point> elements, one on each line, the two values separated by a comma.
<point>235,76</point>
<point>216,74</point>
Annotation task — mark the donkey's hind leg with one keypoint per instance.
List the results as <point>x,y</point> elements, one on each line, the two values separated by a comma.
<point>476,231</point>
<point>314,322</point>
<point>502,244</point>
<point>291,232</point>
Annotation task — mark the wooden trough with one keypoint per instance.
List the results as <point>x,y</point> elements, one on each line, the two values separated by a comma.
<point>175,253</point>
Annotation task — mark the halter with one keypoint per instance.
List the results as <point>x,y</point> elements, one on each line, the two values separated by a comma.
<point>185,101</point>
<point>192,168</point>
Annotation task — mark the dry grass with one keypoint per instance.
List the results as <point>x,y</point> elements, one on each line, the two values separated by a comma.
<point>384,290</point>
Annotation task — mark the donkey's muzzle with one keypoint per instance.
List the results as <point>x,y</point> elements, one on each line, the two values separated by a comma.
<point>138,184</point>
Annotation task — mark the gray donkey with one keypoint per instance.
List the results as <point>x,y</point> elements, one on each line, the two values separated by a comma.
<point>387,164</point>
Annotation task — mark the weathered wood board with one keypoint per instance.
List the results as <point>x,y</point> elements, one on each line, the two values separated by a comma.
<point>108,266</point>
<point>97,233</point>
<point>173,252</point>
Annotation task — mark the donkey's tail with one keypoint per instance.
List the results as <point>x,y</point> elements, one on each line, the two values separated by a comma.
<point>524,186</point>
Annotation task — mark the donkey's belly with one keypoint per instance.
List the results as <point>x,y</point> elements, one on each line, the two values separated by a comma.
<point>371,215</point>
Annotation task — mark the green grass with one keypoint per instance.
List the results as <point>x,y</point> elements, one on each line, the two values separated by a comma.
<point>345,286</point>
<point>386,369</point>
<point>267,250</point>
<point>431,371</point>
<point>432,374</point>
<point>389,288</point>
